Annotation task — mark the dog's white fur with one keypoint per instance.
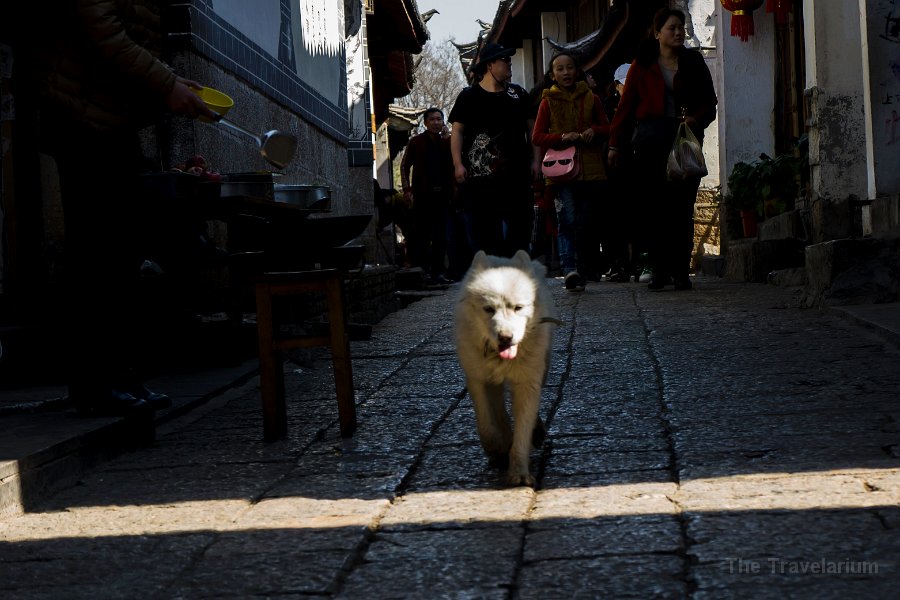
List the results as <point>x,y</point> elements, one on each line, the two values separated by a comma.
<point>504,332</point>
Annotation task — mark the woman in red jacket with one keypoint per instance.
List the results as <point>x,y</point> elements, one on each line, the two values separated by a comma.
<point>666,83</point>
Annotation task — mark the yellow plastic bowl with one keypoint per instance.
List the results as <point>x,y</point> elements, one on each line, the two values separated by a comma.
<point>215,100</point>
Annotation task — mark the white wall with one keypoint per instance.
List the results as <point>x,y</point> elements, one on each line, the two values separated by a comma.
<point>835,86</point>
<point>553,26</point>
<point>318,32</point>
<point>711,136</point>
<point>884,93</point>
<point>703,23</point>
<point>383,168</point>
<point>262,24</point>
<point>360,121</point>
<point>522,73</point>
<point>702,26</point>
<point>745,82</point>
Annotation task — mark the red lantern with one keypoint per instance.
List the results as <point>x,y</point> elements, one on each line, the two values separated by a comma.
<point>781,8</point>
<point>741,16</point>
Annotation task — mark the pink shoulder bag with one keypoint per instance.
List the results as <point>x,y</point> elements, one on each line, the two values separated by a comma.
<point>560,166</point>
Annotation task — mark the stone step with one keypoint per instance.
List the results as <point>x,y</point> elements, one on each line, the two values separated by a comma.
<point>753,259</point>
<point>793,277</point>
<point>883,216</point>
<point>789,225</point>
<point>853,271</point>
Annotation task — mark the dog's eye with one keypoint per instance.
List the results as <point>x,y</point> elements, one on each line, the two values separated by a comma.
<point>490,310</point>
<point>519,307</point>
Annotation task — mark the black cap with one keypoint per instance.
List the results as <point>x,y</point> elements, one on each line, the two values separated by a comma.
<point>492,51</point>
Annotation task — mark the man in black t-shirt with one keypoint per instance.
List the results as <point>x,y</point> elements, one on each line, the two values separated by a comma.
<point>492,155</point>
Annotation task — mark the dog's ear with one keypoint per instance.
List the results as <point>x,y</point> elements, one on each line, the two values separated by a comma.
<point>521,258</point>
<point>479,261</point>
<point>539,269</point>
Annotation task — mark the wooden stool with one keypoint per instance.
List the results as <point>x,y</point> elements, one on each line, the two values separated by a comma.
<point>271,346</point>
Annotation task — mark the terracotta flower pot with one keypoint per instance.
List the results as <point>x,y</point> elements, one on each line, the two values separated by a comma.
<point>748,220</point>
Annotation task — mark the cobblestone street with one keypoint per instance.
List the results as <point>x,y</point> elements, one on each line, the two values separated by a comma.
<point>718,443</point>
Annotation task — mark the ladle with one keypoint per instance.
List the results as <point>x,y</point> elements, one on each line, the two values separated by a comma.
<point>275,146</point>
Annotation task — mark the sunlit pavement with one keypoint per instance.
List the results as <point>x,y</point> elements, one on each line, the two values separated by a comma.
<point>714,443</point>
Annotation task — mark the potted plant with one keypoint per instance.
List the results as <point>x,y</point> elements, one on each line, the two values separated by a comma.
<point>743,195</point>
<point>768,186</point>
<point>781,178</point>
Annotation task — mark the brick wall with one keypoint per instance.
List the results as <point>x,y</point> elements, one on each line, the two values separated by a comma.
<point>369,296</point>
<point>706,226</point>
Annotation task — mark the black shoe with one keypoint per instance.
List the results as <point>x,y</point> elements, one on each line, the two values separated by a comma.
<point>657,283</point>
<point>156,400</point>
<point>111,404</point>
<point>683,283</point>
<point>574,282</point>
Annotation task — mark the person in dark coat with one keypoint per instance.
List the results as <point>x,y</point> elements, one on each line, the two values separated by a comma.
<point>100,81</point>
<point>666,83</point>
<point>429,190</point>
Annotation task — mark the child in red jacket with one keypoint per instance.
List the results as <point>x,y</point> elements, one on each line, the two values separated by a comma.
<point>571,114</point>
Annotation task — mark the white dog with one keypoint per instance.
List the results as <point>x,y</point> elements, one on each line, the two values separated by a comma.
<point>504,332</point>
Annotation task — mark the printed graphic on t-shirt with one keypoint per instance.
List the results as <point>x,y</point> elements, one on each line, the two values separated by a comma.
<point>483,156</point>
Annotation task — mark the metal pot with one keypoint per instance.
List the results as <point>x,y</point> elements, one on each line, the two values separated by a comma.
<point>254,184</point>
<point>313,197</point>
<point>169,185</point>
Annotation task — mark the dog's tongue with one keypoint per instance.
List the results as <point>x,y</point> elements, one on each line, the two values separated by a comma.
<point>509,352</point>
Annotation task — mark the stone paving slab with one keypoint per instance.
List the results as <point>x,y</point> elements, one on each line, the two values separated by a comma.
<point>617,576</point>
<point>883,319</point>
<point>473,562</point>
<point>552,539</point>
<point>691,436</point>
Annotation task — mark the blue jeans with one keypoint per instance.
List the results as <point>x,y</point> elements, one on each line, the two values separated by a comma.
<point>573,215</point>
<point>502,211</point>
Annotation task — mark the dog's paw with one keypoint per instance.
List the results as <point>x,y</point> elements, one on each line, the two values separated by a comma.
<point>520,479</point>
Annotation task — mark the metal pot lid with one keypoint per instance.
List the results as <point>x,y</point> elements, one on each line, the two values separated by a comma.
<point>252,176</point>
<point>301,186</point>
